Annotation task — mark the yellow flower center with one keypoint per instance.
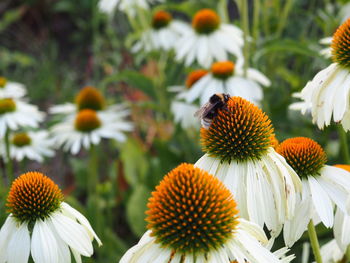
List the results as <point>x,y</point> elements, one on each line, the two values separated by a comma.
<point>345,167</point>
<point>191,211</point>
<point>222,70</point>
<point>304,155</point>
<point>33,196</point>
<point>7,105</point>
<point>205,21</point>
<point>341,45</point>
<point>21,139</point>
<point>240,131</point>
<point>3,82</point>
<point>87,121</point>
<point>90,98</point>
<point>194,76</point>
<point>161,19</point>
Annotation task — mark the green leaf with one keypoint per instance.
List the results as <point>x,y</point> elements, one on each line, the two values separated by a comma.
<point>136,208</point>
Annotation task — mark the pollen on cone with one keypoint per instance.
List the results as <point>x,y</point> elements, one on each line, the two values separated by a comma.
<point>191,211</point>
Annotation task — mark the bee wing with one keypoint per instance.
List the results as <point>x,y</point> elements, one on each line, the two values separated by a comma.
<point>203,110</point>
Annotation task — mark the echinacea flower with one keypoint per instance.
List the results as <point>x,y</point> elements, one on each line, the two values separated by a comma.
<point>193,217</point>
<point>9,89</point>
<point>323,186</point>
<point>15,113</point>
<point>209,40</point>
<point>88,127</point>
<point>127,6</point>
<point>224,77</point>
<point>163,34</point>
<point>41,225</point>
<point>239,151</point>
<point>34,145</point>
<point>184,111</point>
<point>328,93</point>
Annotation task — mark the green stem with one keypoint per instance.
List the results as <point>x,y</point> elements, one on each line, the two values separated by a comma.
<point>245,26</point>
<point>8,164</point>
<point>314,241</point>
<point>344,147</point>
<point>284,17</point>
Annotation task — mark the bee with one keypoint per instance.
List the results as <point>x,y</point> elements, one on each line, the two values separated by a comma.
<point>210,110</point>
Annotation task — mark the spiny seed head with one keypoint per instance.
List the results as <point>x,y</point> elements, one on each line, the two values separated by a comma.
<point>90,98</point>
<point>240,131</point>
<point>21,139</point>
<point>3,82</point>
<point>341,45</point>
<point>191,211</point>
<point>87,120</point>
<point>33,196</point>
<point>7,105</point>
<point>161,19</point>
<point>205,21</point>
<point>194,76</point>
<point>304,155</point>
<point>223,70</point>
<point>345,167</point>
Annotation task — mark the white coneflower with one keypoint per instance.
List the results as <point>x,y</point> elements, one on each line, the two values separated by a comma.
<point>127,6</point>
<point>163,34</point>
<point>88,127</point>
<point>184,111</point>
<point>9,89</point>
<point>34,145</point>
<point>225,78</point>
<point>209,40</point>
<point>41,225</point>
<point>193,217</point>
<point>239,151</point>
<point>323,186</point>
<point>328,93</point>
<point>15,113</point>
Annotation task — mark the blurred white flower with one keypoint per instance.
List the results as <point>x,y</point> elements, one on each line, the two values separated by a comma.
<point>163,34</point>
<point>34,145</point>
<point>35,201</point>
<point>127,6</point>
<point>9,89</point>
<point>88,127</point>
<point>209,40</point>
<point>224,77</point>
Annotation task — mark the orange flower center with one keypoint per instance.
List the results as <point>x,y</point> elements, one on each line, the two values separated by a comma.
<point>304,155</point>
<point>21,139</point>
<point>90,98</point>
<point>341,45</point>
<point>194,76</point>
<point>191,211</point>
<point>33,196</point>
<point>7,105</point>
<point>3,82</point>
<point>240,131</point>
<point>222,70</point>
<point>205,21</point>
<point>87,121</point>
<point>161,19</point>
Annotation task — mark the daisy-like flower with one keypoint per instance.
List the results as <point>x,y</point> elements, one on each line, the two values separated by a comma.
<point>225,78</point>
<point>329,91</point>
<point>184,111</point>
<point>323,186</point>
<point>127,6</point>
<point>15,113</point>
<point>193,217</point>
<point>34,145</point>
<point>88,127</point>
<point>209,40</point>
<point>239,151</point>
<point>40,224</point>
<point>9,89</point>
<point>163,34</point>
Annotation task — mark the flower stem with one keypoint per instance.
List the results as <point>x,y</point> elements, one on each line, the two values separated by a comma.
<point>8,164</point>
<point>245,26</point>
<point>314,241</point>
<point>344,147</point>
